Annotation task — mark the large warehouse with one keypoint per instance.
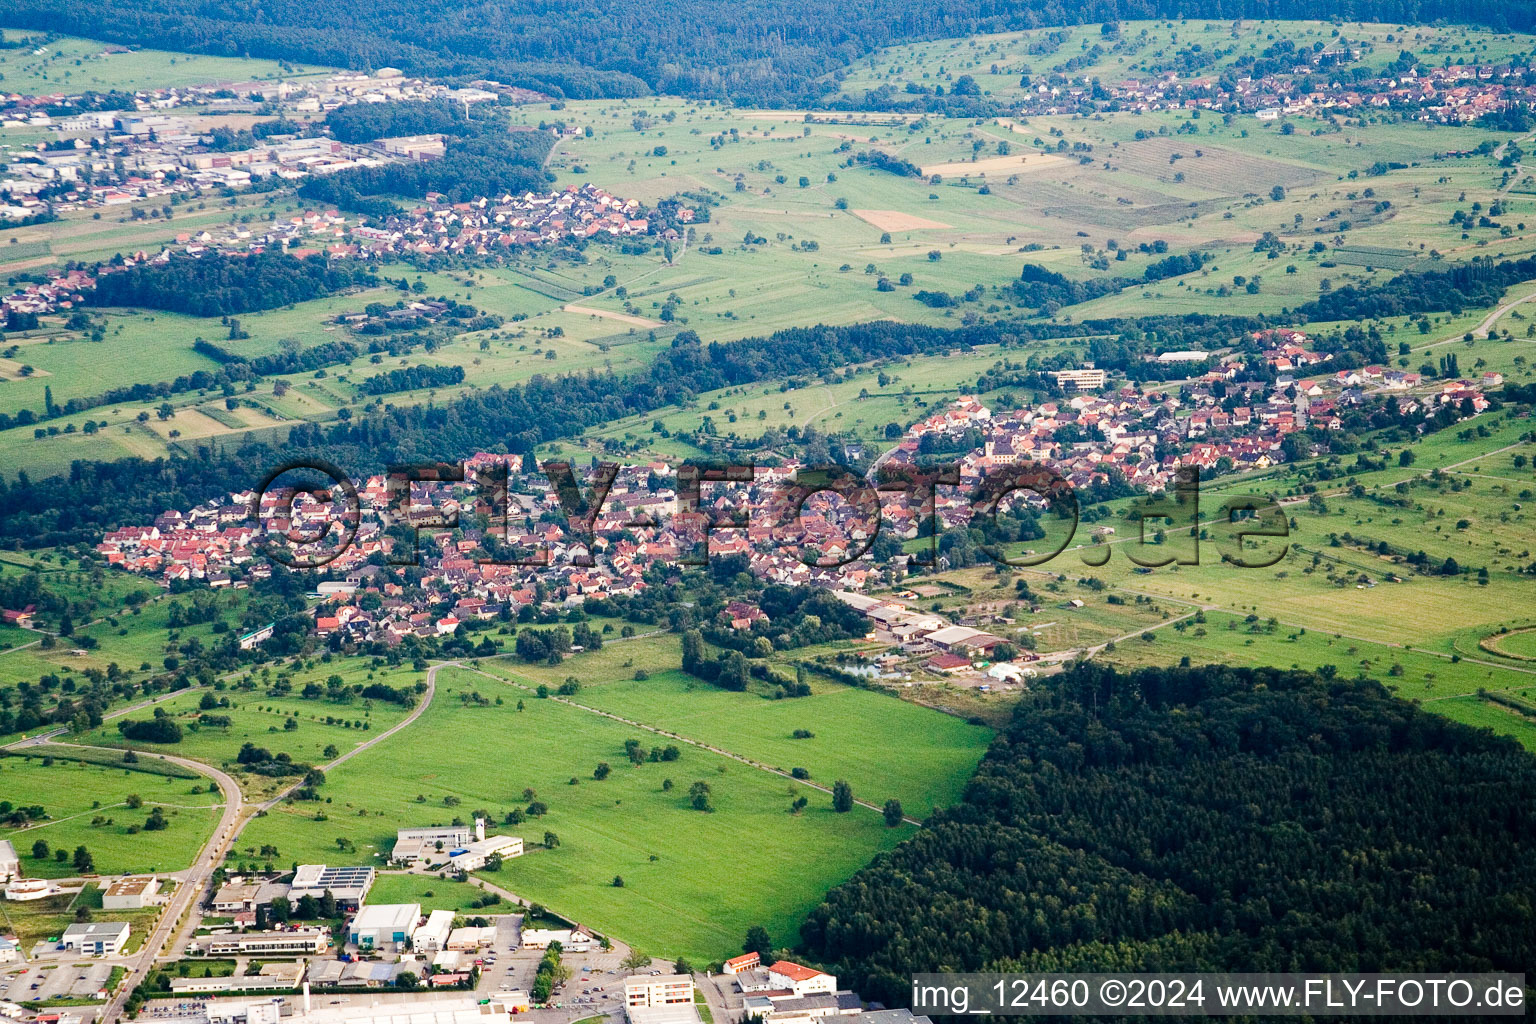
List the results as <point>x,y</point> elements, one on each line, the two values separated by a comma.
<point>384,925</point>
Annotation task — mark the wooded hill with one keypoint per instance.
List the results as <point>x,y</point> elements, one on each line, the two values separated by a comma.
<point>1207,819</point>
<point>761,51</point>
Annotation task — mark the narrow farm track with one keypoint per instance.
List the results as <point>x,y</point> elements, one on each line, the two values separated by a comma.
<point>760,766</point>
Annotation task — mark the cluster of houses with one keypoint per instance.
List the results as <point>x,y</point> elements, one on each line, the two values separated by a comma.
<point>1312,86</point>
<point>485,226</point>
<point>1215,420</point>
<point>489,224</point>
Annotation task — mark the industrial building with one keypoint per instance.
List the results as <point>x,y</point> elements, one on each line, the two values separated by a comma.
<point>305,940</point>
<point>413,845</point>
<point>347,886</point>
<point>474,856</point>
<point>433,935</point>
<point>384,925</point>
<point>132,893</point>
<point>99,938</point>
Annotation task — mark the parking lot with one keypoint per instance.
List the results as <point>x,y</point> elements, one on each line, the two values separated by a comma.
<point>508,967</point>
<point>56,981</point>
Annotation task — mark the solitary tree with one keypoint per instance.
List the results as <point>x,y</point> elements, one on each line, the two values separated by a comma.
<point>892,813</point>
<point>842,797</point>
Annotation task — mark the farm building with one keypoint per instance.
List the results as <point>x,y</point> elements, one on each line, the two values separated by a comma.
<point>961,639</point>
<point>947,664</point>
<point>10,864</point>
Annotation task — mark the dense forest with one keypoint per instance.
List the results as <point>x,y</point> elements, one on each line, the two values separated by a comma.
<point>761,51</point>
<point>1207,819</point>
<point>1464,286</point>
<point>220,285</point>
<point>481,158</point>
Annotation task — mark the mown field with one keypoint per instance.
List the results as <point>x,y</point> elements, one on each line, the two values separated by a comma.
<point>305,729</point>
<point>75,796</point>
<point>684,891</point>
<point>852,728</point>
<point>68,64</point>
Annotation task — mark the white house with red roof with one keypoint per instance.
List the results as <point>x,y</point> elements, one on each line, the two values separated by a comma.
<point>802,981</point>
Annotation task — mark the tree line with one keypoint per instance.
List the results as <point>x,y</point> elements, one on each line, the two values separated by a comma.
<point>222,285</point>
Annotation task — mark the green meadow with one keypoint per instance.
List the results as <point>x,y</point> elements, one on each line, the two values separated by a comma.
<point>303,728</point>
<point>68,64</point>
<point>688,889</point>
<point>87,805</point>
<point>854,732</point>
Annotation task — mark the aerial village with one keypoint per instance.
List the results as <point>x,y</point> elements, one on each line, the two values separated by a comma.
<point>484,226</point>
<point>1140,438</point>
<point>306,942</point>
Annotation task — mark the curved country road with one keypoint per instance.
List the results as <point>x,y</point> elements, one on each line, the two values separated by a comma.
<point>237,814</point>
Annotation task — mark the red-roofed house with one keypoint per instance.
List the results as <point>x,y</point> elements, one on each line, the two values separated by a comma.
<point>745,962</point>
<point>802,981</point>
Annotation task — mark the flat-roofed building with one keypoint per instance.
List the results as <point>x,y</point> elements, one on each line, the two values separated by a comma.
<point>808,1009</point>
<point>657,989</point>
<point>304,940</point>
<point>1087,379</point>
<point>235,897</point>
<point>384,924</point>
<point>99,938</point>
<point>348,886</point>
<point>10,864</point>
<point>430,844</point>
<point>133,893</point>
<point>475,855</point>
